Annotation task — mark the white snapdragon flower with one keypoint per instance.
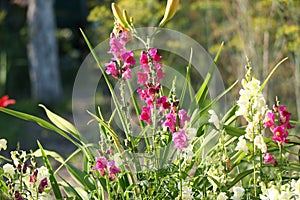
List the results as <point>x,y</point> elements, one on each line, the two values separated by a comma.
<point>222,196</point>
<point>187,193</point>
<point>188,153</point>
<point>296,187</point>
<point>238,192</point>
<point>3,144</point>
<point>214,119</point>
<point>9,169</point>
<point>271,194</point>
<point>242,145</point>
<point>260,143</point>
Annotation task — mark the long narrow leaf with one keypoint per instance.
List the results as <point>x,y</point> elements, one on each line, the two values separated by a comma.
<point>239,177</point>
<point>39,121</point>
<point>271,73</point>
<point>114,97</point>
<point>61,123</point>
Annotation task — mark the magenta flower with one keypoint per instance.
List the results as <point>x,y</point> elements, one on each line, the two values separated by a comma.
<point>280,134</point>
<point>112,69</point>
<point>117,44</point>
<point>144,61</point>
<point>101,164</point>
<point>113,170</point>
<point>268,158</point>
<point>146,114</point>
<point>42,185</point>
<point>162,103</point>
<point>155,57</point>
<point>180,139</point>
<point>170,122</point>
<point>128,58</point>
<point>182,118</point>
<point>270,120</point>
<point>285,117</point>
<point>126,73</point>
<point>142,78</point>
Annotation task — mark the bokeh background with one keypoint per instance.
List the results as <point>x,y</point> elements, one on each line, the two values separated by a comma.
<point>265,31</point>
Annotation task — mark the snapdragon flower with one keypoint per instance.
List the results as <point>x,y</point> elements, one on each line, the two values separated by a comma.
<point>269,158</point>
<point>104,166</point>
<point>278,127</point>
<point>242,145</point>
<point>222,196</point>
<point>238,192</point>
<point>5,101</point>
<point>3,144</point>
<point>9,169</point>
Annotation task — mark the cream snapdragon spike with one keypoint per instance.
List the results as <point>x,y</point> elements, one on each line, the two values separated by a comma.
<point>252,106</point>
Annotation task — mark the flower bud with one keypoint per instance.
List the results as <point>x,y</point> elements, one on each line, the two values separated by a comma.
<point>170,11</point>
<point>118,15</point>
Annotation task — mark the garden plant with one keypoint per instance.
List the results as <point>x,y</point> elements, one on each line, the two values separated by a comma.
<point>167,136</point>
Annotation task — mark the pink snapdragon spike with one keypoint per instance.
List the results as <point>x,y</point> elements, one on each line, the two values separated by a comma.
<point>113,170</point>
<point>5,101</point>
<point>180,139</point>
<point>269,158</point>
<point>101,164</point>
<point>42,185</point>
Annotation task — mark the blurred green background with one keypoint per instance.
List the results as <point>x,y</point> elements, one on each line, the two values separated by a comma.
<point>265,31</point>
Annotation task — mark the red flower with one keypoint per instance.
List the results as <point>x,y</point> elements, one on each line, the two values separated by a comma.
<point>5,101</point>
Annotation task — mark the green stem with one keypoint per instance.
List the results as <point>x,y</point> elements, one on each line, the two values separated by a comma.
<point>254,168</point>
<point>180,171</point>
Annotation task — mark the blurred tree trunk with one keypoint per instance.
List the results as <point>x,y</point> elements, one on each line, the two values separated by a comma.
<point>42,51</point>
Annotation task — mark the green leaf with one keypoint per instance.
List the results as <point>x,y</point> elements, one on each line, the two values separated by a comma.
<point>53,181</point>
<point>39,121</point>
<point>72,191</point>
<point>61,123</point>
<point>271,73</point>
<point>56,156</point>
<point>203,90</point>
<point>239,177</point>
<point>80,176</point>
<point>234,131</point>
